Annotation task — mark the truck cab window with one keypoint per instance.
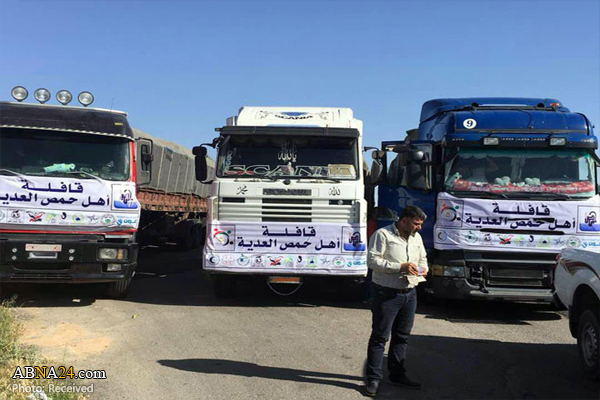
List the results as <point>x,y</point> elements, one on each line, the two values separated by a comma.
<point>34,152</point>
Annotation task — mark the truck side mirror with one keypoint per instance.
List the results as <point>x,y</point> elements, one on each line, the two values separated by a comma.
<point>146,147</point>
<point>200,163</point>
<point>416,176</point>
<point>378,154</point>
<point>376,170</point>
<point>416,156</point>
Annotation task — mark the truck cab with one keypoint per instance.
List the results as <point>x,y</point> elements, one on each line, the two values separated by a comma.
<point>287,200</point>
<point>509,182</point>
<point>68,206</point>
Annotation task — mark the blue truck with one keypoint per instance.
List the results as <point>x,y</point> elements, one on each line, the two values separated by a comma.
<point>506,183</point>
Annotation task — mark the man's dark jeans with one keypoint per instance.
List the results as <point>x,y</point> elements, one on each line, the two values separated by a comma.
<point>393,312</point>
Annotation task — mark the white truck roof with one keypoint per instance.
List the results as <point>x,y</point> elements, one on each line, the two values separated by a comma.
<point>332,117</point>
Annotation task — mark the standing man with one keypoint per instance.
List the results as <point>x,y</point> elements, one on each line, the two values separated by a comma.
<point>399,262</point>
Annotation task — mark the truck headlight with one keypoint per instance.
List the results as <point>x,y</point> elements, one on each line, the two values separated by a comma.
<point>64,97</point>
<point>448,271</point>
<point>42,95</point>
<point>19,93</point>
<point>114,267</point>
<point>112,254</point>
<point>85,98</point>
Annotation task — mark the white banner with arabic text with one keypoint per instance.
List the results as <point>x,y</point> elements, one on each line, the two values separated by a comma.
<point>31,202</point>
<point>511,225</point>
<point>300,248</point>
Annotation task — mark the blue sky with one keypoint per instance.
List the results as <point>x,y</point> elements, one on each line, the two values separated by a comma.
<point>180,68</point>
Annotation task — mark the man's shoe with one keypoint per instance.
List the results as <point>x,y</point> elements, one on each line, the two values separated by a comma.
<point>403,380</point>
<point>372,388</point>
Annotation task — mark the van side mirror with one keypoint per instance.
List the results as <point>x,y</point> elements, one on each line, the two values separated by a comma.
<point>200,163</point>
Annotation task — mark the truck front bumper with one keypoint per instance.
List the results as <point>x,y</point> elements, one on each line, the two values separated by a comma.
<point>460,288</point>
<point>76,262</point>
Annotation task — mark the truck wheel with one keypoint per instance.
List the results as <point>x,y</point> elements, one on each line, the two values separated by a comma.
<point>200,235</point>
<point>352,289</point>
<point>224,286</point>
<point>118,289</point>
<point>189,240</point>
<point>588,343</point>
<point>426,298</point>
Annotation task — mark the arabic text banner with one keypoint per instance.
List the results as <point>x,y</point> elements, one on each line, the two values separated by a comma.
<point>67,201</point>
<point>286,238</point>
<point>290,248</point>
<point>509,224</point>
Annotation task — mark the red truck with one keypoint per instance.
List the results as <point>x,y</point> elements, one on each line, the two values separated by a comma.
<point>79,189</point>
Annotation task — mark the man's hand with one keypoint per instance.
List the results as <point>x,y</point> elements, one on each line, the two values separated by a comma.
<point>409,269</point>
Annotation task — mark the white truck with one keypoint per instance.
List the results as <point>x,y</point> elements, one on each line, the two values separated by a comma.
<point>577,282</point>
<point>287,199</point>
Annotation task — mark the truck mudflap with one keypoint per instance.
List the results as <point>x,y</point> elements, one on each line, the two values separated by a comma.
<point>452,288</point>
<point>63,260</point>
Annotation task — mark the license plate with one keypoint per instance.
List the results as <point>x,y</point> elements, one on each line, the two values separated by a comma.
<point>285,279</point>
<point>43,247</point>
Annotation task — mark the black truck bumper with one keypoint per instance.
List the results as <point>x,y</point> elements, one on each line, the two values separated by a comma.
<point>460,288</point>
<point>492,276</point>
<point>44,258</point>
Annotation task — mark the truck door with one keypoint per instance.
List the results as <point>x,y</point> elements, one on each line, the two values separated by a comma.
<point>408,181</point>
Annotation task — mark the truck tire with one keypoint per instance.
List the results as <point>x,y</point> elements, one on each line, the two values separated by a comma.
<point>224,286</point>
<point>352,289</point>
<point>189,239</point>
<point>588,343</point>
<point>118,289</point>
<point>200,235</point>
<point>426,298</point>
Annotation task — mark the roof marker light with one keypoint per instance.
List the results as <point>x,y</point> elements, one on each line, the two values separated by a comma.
<point>558,141</point>
<point>64,97</point>
<point>42,95</point>
<point>85,98</point>
<point>19,93</point>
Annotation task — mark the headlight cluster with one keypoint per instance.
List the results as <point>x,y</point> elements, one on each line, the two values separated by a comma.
<point>448,271</point>
<point>42,95</point>
<point>112,254</point>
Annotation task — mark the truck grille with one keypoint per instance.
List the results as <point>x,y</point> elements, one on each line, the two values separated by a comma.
<point>42,266</point>
<point>40,276</point>
<point>287,210</point>
<point>515,277</point>
<point>495,269</point>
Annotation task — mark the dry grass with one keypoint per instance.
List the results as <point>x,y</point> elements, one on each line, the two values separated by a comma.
<point>13,355</point>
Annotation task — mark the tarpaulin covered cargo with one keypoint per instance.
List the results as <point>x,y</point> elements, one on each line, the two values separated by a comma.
<point>173,168</point>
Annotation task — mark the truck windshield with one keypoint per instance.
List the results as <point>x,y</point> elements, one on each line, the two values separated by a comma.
<point>56,153</point>
<point>547,173</point>
<point>284,156</point>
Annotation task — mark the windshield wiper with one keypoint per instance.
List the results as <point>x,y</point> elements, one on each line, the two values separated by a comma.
<point>479,195</point>
<point>83,173</point>
<point>543,194</point>
<point>13,172</point>
<point>323,178</point>
<point>269,177</point>
<point>277,177</point>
